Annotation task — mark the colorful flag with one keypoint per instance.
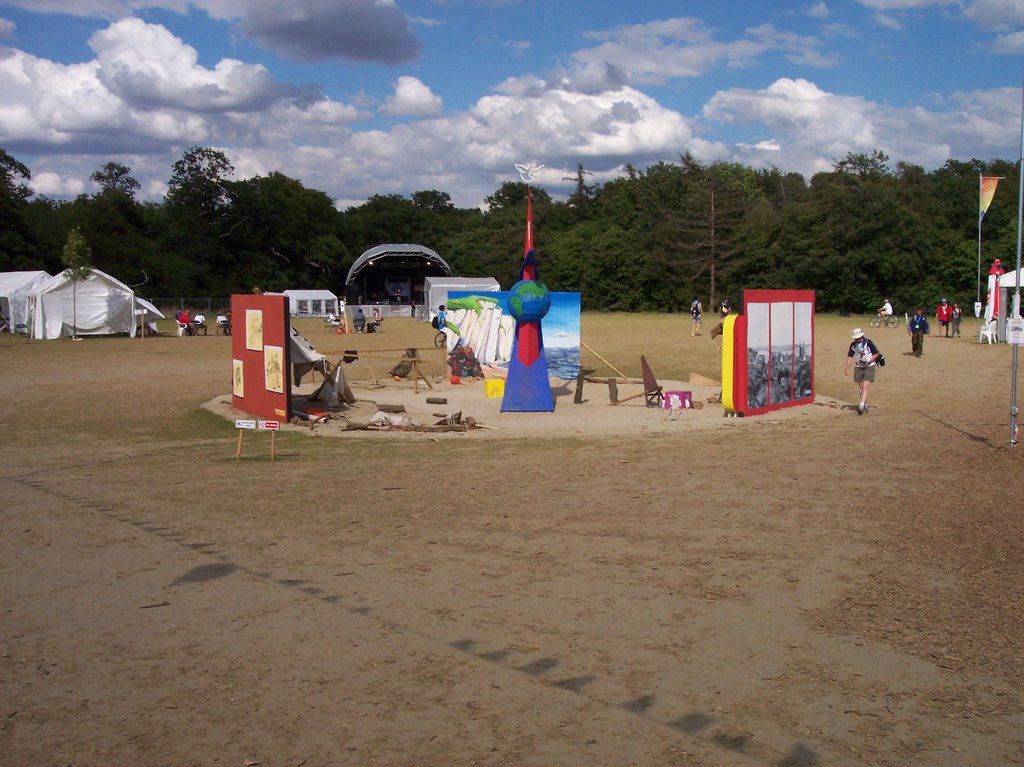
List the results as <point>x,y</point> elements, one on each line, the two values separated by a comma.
<point>988,191</point>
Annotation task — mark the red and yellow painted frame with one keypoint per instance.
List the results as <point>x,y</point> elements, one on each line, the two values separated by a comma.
<point>768,352</point>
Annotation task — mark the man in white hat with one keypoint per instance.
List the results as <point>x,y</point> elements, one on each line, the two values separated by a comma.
<point>864,355</point>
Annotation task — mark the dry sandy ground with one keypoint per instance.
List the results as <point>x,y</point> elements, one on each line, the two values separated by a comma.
<point>808,588</point>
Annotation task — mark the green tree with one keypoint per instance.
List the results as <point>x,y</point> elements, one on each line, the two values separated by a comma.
<point>17,250</point>
<point>77,267</point>
<point>115,178</point>
<point>198,203</point>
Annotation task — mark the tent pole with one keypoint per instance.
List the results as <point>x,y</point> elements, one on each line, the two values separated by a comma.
<point>1016,304</point>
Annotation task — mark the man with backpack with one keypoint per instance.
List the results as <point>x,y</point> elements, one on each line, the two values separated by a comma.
<point>917,329</point>
<point>865,357</point>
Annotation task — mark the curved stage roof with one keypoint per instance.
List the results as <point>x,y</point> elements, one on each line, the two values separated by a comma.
<point>395,251</point>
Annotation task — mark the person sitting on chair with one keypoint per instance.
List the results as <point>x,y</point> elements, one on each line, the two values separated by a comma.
<point>186,319</point>
<point>199,323</point>
<point>359,321</point>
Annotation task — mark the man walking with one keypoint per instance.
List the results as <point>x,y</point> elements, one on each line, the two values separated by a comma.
<point>864,355</point>
<point>917,329</point>
<point>944,313</point>
<point>957,315</point>
<point>697,313</point>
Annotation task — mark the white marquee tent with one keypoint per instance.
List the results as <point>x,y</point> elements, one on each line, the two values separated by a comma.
<point>97,305</point>
<point>15,289</point>
<point>437,288</point>
<point>311,303</point>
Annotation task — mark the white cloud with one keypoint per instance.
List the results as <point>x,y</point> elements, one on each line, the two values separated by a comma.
<point>818,10</point>
<point>657,52</point>
<point>148,67</point>
<point>1012,43</point>
<point>995,14</point>
<point>902,5</point>
<point>6,29</point>
<point>806,128</point>
<point>411,97</point>
<point>469,154</point>
<point>145,91</point>
<point>53,185</point>
<point>888,22</point>
<point>365,30</point>
<point>311,30</point>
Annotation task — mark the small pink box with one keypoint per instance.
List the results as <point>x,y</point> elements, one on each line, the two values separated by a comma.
<point>678,400</point>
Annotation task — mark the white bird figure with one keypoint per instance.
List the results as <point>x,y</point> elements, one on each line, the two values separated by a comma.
<point>528,172</point>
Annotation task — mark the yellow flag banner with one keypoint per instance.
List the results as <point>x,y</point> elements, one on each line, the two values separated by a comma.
<point>988,191</point>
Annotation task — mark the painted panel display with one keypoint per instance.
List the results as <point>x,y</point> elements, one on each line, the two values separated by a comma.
<point>482,325</point>
<point>768,352</point>
<point>261,380</point>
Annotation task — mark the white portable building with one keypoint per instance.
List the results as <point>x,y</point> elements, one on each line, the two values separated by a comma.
<point>96,305</point>
<point>15,289</point>
<point>311,303</point>
<point>437,289</point>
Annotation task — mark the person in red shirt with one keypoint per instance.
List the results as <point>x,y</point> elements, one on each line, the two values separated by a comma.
<point>944,313</point>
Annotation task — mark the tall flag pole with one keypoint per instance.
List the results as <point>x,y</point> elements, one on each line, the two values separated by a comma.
<point>528,388</point>
<point>986,191</point>
<point>1016,296</point>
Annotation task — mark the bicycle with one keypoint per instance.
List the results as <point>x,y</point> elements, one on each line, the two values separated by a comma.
<point>892,321</point>
<point>441,340</point>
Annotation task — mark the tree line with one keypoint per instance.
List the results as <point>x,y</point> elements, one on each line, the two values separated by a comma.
<point>650,240</point>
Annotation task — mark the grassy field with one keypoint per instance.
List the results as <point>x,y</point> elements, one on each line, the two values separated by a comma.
<point>816,589</point>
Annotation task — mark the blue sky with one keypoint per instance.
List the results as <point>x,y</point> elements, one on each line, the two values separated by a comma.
<point>363,97</point>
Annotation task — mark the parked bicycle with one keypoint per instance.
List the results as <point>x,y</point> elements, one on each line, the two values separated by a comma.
<point>891,321</point>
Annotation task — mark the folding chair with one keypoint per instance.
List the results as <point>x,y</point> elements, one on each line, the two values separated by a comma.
<point>652,390</point>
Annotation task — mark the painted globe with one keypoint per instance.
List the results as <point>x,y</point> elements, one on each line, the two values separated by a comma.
<point>529,301</point>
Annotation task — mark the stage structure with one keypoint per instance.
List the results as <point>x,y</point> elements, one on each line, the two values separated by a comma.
<point>527,388</point>
<point>768,352</point>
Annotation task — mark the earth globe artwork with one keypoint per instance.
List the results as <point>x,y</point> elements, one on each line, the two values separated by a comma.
<point>529,301</point>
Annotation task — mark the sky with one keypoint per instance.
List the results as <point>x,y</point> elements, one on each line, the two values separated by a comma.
<point>369,97</point>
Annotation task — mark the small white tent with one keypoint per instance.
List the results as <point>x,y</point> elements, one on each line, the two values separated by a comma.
<point>15,289</point>
<point>97,305</point>
<point>437,289</point>
<point>311,303</point>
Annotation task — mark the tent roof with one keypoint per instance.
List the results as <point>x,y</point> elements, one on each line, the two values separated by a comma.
<point>460,282</point>
<point>11,282</point>
<point>148,306</point>
<point>1009,280</point>
<point>306,295</point>
<point>393,250</point>
<point>62,279</point>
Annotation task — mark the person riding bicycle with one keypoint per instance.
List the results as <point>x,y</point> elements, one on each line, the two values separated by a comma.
<point>886,309</point>
<point>442,318</point>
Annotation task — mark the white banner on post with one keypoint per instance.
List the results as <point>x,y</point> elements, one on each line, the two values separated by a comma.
<point>1015,331</point>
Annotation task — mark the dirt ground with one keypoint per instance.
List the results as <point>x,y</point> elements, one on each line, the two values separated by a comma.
<point>598,585</point>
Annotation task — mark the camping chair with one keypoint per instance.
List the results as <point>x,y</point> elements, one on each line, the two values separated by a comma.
<point>652,390</point>
<point>989,331</point>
